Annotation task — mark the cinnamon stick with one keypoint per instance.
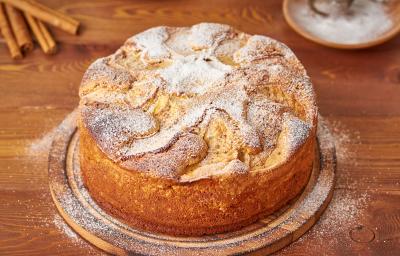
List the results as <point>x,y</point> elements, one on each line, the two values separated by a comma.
<point>48,37</point>
<point>41,33</point>
<point>8,35</point>
<point>43,13</point>
<point>20,29</point>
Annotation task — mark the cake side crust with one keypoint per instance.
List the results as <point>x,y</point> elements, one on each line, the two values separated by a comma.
<point>213,205</point>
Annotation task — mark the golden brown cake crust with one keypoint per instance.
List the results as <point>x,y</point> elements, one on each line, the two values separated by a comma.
<point>196,130</point>
<point>206,206</point>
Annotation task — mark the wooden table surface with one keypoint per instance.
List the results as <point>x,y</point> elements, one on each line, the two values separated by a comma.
<point>358,93</point>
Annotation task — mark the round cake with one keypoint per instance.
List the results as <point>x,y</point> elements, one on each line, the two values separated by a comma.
<point>196,130</point>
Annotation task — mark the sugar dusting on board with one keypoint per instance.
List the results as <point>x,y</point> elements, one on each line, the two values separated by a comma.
<point>332,230</point>
<point>73,237</point>
<point>42,145</point>
<point>40,221</point>
<point>347,207</point>
<point>363,21</point>
<point>63,227</point>
<point>43,220</point>
<point>343,136</point>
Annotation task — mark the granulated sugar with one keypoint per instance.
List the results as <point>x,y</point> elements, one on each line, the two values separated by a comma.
<point>341,215</point>
<point>347,207</point>
<point>44,222</point>
<point>73,237</point>
<point>42,145</point>
<point>63,227</point>
<point>332,230</point>
<point>36,151</point>
<point>342,138</point>
<point>362,22</point>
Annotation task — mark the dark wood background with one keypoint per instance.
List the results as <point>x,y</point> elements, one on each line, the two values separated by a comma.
<point>358,92</point>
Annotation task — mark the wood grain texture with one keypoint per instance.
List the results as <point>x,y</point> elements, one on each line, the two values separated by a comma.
<point>358,89</point>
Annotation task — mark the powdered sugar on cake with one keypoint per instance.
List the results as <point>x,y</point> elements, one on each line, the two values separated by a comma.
<point>261,47</point>
<point>192,63</point>
<point>208,35</point>
<point>152,44</point>
<point>194,74</point>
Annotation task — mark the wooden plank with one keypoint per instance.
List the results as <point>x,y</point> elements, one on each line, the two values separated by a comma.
<point>30,225</point>
<point>53,81</point>
<point>359,89</point>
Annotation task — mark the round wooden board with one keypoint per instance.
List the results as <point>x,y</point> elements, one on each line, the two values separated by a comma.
<point>263,237</point>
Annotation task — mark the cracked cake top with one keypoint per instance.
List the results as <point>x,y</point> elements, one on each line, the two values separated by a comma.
<point>187,103</point>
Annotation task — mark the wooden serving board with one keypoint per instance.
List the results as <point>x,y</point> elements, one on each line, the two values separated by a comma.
<point>263,237</point>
